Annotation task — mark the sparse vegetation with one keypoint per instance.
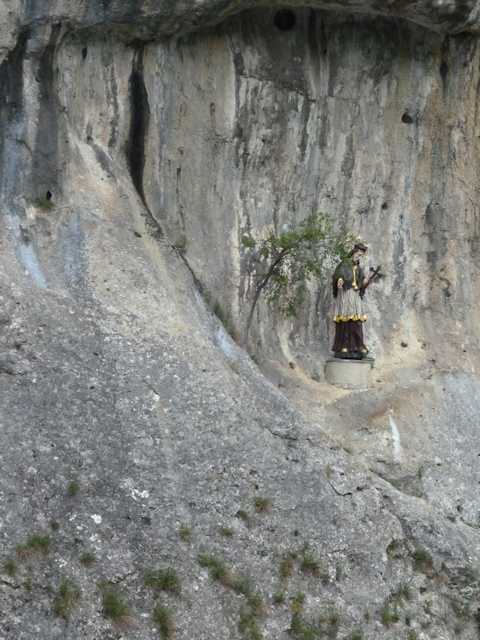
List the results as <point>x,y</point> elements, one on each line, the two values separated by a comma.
<point>329,622</point>
<point>262,505</point>
<point>114,606</point>
<point>248,625</point>
<point>286,567</point>
<point>163,580</point>
<point>44,203</point>
<point>73,488</point>
<point>243,515</point>
<point>279,597</point>
<point>297,602</point>
<point>185,533</point>
<point>226,532</point>
<point>302,630</point>
<point>66,599</point>
<point>309,563</point>
<point>389,614</point>
<point>412,635</point>
<point>217,569</point>
<point>422,560</point>
<point>36,544</point>
<point>357,634</point>
<point>163,619</point>
<point>88,559</point>
<point>10,567</point>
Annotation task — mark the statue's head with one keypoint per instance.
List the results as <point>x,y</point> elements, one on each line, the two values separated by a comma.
<point>358,251</point>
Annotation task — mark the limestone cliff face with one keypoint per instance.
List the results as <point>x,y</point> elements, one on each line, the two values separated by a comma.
<point>139,141</point>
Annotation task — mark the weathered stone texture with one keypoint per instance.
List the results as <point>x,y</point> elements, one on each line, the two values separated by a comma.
<point>131,160</point>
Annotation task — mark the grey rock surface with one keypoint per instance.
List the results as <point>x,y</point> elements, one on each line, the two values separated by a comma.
<point>138,143</point>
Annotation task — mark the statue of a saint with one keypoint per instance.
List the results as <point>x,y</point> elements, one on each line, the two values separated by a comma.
<point>349,285</point>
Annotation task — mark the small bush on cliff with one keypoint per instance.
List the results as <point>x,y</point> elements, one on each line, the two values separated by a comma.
<point>281,264</point>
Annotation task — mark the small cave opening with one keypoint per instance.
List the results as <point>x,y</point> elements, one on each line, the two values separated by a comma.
<point>48,196</point>
<point>407,118</point>
<point>84,52</point>
<point>285,20</point>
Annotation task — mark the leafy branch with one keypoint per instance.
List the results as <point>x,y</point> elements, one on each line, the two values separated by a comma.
<point>282,264</point>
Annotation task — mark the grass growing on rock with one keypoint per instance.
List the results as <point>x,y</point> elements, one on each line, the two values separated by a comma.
<point>286,566</point>
<point>163,620</point>
<point>66,599</point>
<point>248,625</point>
<point>262,505</point>
<point>226,532</point>
<point>185,533</point>
<point>10,567</point>
<point>88,559</point>
<point>73,488</point>
<point>114,605</point>
<point>36,544</point>
<point>422,560</point>
<point>163,580</point>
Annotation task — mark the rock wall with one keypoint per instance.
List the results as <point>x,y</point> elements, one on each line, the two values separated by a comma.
<point>137,144</point>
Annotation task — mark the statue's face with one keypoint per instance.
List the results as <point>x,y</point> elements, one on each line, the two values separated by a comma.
<point>358,256</point>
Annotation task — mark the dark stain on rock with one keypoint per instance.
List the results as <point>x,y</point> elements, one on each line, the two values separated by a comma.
<point>139,122</point>
<point>45,152</point>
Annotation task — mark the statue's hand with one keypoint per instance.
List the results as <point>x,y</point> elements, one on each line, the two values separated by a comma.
<point>340,283</point>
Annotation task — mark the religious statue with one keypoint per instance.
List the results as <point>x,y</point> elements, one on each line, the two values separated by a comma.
<point>349,286</point>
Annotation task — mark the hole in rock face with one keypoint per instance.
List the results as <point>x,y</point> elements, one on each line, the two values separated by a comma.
<point>48,195</point>
<point>407,118</point>
<point>284,20</point>
<point>84,52</point>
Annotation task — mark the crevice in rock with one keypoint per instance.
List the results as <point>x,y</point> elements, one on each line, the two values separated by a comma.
<point>139,122</point>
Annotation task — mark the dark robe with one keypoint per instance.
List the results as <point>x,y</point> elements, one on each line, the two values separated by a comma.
<point>349,315</point>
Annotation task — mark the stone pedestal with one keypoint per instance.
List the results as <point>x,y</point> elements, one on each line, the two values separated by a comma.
<point>349,374</point>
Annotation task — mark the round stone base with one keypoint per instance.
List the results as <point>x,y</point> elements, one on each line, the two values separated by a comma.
<point>349,374</point>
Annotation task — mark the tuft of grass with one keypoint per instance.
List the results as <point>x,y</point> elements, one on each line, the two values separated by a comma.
<point>279,597</point>
<point>389,614</point>
<point>226,532</point>
<point>163,620</point>
<point>28,584</point>
<point>73,488</point>
<point>248,625</point>
<point>286,567</point>
<point>422,560</point>
<point>262,505</point>
<point>10,567</point>
<point>185,533</point>
<point>310,564</point>
<point>35,544</point>
<point>217,569</point>
<point>357,634</point>
<point>242,584</point>
<point>44,203</point>
<point>162,580</point>
<point>66,599</point>
<point>301,630</point>
<point>255,602</point>
<point>114,606</point>
<point>412,635</point>
<point>243,515</point>
<point>329,622</point>
<point>297,602</point>
<point>88,559</point>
